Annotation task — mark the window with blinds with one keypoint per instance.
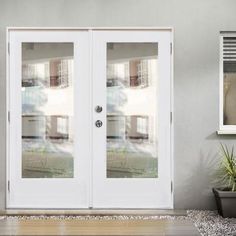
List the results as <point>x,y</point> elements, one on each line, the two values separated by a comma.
<point>228,83</point>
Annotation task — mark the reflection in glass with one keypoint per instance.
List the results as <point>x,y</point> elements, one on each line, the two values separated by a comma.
<point>47,110</point>
<point>132,110</point>
<point>229,68</point>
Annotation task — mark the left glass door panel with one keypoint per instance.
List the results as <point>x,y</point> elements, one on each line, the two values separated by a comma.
<point>47,110</point>
<point>49,107</point>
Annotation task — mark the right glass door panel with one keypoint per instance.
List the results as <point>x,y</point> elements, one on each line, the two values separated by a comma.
<point>132,110</point>
<point>131,148</point>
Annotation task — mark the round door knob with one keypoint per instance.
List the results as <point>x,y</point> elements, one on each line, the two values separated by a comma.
<point>98,123</point>
<point>98,109</point>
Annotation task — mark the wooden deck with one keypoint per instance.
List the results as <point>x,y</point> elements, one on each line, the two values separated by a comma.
<point>97,227</point>
<point>68,227</point>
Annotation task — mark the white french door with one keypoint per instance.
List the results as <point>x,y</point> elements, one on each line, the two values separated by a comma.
<point>49,127</point>
<point>89,119</point>
<point>131,151</point>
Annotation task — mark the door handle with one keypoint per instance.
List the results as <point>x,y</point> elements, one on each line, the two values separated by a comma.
<point>98,109</point>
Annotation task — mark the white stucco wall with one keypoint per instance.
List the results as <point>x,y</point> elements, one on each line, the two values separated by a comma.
<point>196,72</point>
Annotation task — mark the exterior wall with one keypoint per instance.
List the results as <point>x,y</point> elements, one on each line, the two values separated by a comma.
<point>196,72</point>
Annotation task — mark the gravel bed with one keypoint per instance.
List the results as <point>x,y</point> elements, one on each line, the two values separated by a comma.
<point>208,223</point>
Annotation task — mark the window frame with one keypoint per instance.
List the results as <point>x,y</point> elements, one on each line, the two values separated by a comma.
<point>223,129</point>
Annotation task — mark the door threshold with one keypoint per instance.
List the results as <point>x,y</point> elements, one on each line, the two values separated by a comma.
<point>15,212</point>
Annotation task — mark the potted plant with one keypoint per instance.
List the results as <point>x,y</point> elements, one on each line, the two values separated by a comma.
<point>226,195</point>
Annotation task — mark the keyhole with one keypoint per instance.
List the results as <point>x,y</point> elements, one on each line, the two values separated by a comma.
<point>98,123</point>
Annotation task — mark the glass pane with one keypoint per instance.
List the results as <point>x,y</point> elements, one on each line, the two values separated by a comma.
<point>132,110</point>
<point>229,87</point>
<point>47,110</point>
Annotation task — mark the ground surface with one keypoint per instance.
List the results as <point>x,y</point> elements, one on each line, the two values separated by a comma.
<point>96,227</point>
<point>206,223</point>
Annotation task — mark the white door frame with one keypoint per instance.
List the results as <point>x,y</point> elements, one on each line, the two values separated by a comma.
<point>9,29</point>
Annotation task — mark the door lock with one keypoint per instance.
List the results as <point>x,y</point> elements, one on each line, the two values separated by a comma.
<point>98,123</point>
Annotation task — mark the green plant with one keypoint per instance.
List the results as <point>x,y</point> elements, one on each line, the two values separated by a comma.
<point>228,167</point>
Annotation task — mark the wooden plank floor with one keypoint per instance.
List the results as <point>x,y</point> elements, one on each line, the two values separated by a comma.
<point>97,227</point>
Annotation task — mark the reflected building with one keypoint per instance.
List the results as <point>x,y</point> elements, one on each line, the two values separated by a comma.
<point>47,110</point>
<point>131,110</point>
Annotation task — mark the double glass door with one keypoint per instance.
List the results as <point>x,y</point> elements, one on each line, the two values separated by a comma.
<point>90,119</point>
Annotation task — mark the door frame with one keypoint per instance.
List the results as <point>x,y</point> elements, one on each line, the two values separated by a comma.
<point>89,29</point>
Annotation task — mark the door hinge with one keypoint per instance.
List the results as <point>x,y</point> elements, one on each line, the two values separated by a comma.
<point>8,116</point>
<point>8,48</point>
<point>8,185</point>
<point>171,186</point>
<point>171,48</point>
<point>171,117</point>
